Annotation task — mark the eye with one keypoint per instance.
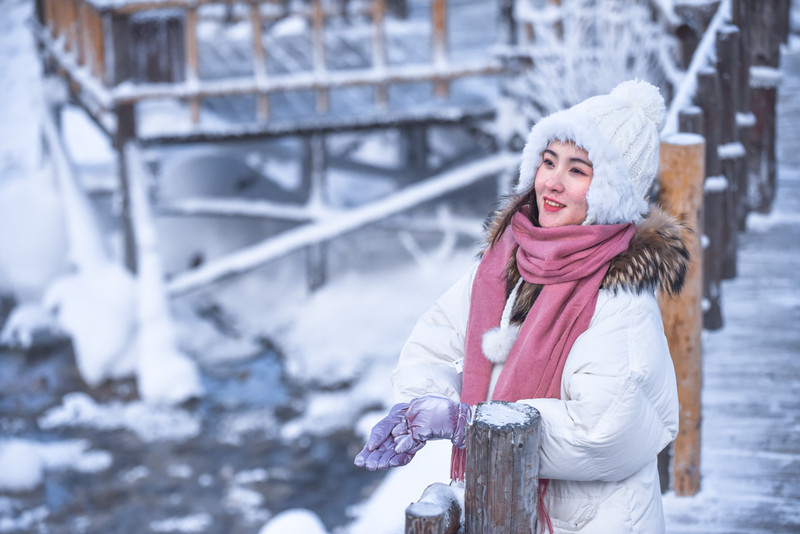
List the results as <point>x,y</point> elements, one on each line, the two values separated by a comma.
<point>547,162</point>
<point>576,170</point>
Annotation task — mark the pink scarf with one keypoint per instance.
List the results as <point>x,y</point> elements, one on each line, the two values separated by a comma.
<point>570,262</point>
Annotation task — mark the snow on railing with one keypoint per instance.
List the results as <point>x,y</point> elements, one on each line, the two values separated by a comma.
<point>703,56</point>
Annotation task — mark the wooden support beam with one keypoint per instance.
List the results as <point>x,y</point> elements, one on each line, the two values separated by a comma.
<point>439,47</point>
<point>681,174</point>
<point>502,477</point>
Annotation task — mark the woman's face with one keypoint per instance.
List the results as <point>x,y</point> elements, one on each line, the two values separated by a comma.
<point>561,183</point>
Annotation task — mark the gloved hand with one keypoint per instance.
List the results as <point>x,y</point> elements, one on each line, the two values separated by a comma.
<point>385,456</point>
<point>379,451</point>
<point>432,417</point>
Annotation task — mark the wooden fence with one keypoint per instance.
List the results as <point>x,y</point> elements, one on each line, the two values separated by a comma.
<point>732,88</point>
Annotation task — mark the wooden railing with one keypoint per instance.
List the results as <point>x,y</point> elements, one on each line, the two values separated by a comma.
<point>110,53</point>
<point>501,489</point>
<point>712,181</point>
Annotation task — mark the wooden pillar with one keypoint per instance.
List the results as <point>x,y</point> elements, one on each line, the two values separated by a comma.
<point>731,152</point>
<point>765,28</point>
<point>126,131</point>
<point>192,58</point>
<point>681,177</point>
<point>314,163</point>
<point>437,512</point>
<point>379,51</point>
<point>439,44</point>
<point>764,82</point>
<point>502,477</point>
<point>414,149</point>
<point>713,214</point>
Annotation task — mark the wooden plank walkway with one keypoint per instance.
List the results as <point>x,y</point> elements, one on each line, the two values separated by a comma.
<point>751,392</point>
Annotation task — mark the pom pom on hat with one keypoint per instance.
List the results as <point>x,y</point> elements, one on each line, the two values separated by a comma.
<point>620,133</point>
<point>644,96</point>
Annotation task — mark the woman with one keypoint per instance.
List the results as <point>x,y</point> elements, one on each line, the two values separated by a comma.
<point>560,313</point>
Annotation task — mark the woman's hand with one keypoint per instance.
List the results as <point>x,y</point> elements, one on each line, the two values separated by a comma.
<point>432,417</point>
<point>379,451</point>
<point>396,438</point>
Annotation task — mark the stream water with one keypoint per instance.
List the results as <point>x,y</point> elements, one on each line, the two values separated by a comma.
<point>231,477</point>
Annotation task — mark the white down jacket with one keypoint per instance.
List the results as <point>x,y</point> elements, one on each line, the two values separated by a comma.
<point>600,440</point>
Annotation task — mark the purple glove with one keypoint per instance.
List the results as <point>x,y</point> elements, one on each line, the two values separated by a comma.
<point>379,451</point>
<point>432,417</point>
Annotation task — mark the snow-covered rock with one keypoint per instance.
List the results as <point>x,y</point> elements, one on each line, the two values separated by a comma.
<point>97,308</point>
<point>21,466</point>
<point>33,244</point>
<point>295,520</point>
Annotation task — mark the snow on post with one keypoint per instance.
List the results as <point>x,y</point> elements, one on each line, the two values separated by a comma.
<point>502,478</point>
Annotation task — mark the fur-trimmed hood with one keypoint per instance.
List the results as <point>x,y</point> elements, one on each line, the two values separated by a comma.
<point>657,258</point>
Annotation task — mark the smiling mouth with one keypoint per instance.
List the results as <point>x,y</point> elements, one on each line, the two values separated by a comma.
<point>553,204</point>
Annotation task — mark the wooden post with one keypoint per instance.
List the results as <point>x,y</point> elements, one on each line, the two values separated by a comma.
<point>414,150</point>
<point>713,218</point>
<point>681,194</point>
<point>379,51</point>
<point>314,162</point>
<point>765,33</point>
<point>502,478</point>
<point>192,58</point>
<point>437,512</point>
<point>126,130</point>
<point>259,59</point>
<point>439,46</point>
<point>318,52</point>
<point>731,152</point>
<point>764,83</point>
<point>690,120</point>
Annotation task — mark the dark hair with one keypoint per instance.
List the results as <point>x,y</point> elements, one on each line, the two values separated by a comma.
<point>528,198</point>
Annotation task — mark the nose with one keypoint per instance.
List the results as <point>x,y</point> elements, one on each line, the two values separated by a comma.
<point>554,180</point>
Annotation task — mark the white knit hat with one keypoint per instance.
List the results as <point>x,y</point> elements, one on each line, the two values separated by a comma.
<point>619,131</point>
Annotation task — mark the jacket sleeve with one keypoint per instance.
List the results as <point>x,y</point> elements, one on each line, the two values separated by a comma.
<point>428,360</point>
<point>619,405</point>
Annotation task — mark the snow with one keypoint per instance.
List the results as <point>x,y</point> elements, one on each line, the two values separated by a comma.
<point>683,139</point>
<point>24,462</point>
<point>762,77</point>
<point>296,520</point>
<point>731,150</point>
<point>149,422</point>
<point>702,56</point>
<point>715,183</point>
<point>500,414</point>
<point>192,523</point>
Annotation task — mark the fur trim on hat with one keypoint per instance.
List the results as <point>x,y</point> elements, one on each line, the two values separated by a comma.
<point>619,132</point>
<point>611,198</point>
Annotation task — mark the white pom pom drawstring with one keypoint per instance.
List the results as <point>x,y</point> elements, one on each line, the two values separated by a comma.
<point>497,342</point>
